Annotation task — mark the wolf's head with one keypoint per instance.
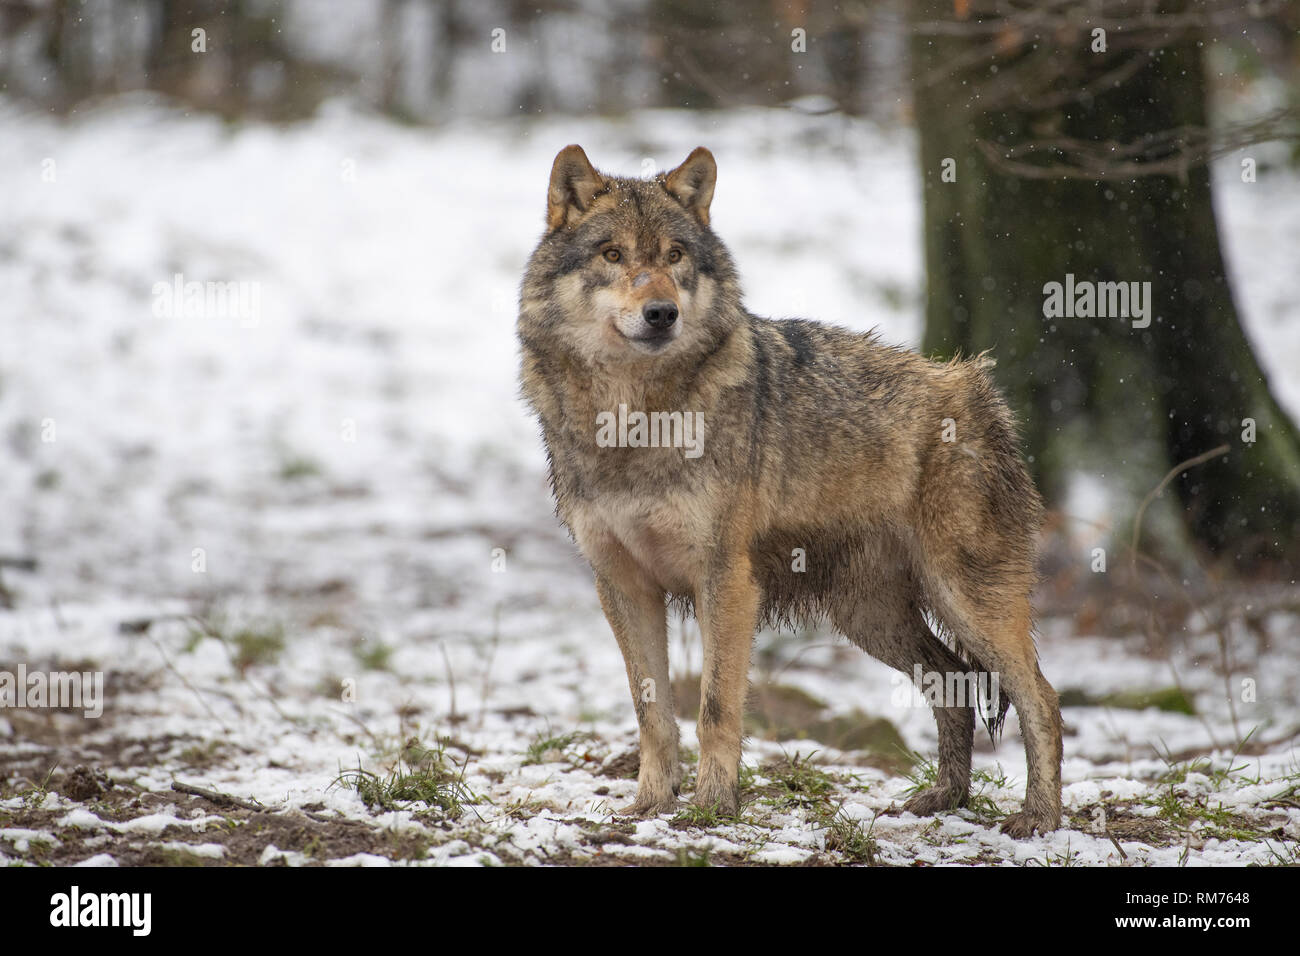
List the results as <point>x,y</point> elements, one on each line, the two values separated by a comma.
<point>628,270</point>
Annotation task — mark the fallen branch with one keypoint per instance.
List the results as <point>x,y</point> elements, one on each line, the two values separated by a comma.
<point>1122,854</point>
<point>220,799</point>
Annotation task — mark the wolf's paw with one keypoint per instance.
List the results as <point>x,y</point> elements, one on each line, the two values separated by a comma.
<point>649,806</point>
<point>716,794</point>
<point>1020,825</point>
<point>725,805</point>
<point>935,800</point>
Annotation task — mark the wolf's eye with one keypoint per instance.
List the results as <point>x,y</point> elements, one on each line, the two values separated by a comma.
<point>674,255</point>
<point>613,255</point>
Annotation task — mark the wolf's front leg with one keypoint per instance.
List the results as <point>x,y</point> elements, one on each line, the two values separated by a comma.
<point>728,613</point>
<point>635,611</point>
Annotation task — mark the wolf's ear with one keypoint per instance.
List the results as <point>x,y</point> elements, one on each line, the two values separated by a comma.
<point>574,181</point>
<point>692,182</point>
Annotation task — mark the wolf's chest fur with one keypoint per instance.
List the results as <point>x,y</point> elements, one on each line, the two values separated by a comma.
<point>666,536</point>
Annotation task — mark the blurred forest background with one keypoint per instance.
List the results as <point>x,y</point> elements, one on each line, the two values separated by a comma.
<point>1070,155</point>
<point>434,60</point>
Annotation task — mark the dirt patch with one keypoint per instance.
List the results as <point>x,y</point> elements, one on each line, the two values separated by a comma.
<point>242,834</point>
<point>782,712</point>
<point>623,766</point>
<point>84,784</point>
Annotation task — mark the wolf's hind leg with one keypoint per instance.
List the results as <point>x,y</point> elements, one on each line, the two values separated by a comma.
<point>1002,640</point>
<point>900,638</point>
<point>635,611</point>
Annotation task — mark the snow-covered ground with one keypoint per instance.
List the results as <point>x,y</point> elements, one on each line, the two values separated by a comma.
<point>275,530</point>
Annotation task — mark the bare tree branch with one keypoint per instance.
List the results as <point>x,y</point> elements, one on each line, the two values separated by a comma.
<point>1167,152</point>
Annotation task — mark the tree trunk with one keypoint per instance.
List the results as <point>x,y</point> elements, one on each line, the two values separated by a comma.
<point>1099,395</point>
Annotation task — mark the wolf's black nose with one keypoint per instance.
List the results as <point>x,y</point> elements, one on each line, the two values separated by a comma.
<point>659,314</point>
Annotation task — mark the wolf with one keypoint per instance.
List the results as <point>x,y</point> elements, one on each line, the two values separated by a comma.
<point>834,479</point>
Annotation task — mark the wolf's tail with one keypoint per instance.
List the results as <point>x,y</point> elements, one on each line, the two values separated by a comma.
<point>991,709</point>
<point>993,712</point>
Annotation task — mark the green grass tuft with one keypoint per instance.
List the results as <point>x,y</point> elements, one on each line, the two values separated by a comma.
<point>693,815</point>
<point>549,748</point>
<point>847,836</point>
<point>422,775</point>
<point>373,655</point>
<point>797,782</point>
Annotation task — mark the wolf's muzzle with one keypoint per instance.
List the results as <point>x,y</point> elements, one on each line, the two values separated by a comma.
<point>659,314</point>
